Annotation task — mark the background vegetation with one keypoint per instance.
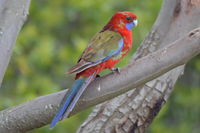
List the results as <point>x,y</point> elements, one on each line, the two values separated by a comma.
<point>51,41</point>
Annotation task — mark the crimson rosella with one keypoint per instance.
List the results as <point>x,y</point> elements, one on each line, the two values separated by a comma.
<point>105,49</point>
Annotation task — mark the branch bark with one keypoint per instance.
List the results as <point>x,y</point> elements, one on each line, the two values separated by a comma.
<point>13,13</point>
<point>135,110</point>
<point>40,111</point>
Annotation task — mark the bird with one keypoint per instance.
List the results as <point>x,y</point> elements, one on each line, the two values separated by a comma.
<point>104,50</point>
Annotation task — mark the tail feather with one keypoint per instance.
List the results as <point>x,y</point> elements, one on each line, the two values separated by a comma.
<point>66,101</point>
<point>78,95</point>
<point>71,98</point>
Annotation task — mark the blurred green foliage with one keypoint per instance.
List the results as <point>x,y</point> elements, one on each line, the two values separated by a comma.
<point>51,41</point>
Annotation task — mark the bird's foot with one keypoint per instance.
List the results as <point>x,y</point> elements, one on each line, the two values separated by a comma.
<point>98,76</point>
<point>117,69</point>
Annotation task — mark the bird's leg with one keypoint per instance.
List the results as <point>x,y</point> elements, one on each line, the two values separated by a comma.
<point>117,69</point>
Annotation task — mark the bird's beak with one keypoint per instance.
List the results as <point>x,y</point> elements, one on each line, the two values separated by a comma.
<point>135,22</point>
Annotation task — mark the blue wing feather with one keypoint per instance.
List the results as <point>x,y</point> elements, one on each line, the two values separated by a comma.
<point>114,52</point>
<point>111,54</point>
<point>102,47</point>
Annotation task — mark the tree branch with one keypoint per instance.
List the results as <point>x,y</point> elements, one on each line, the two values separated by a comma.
<point>40,111</point>
<point>135,110</point>
<point>13,13</point>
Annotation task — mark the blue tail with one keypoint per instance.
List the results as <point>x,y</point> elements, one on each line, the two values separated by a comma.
<point>71,98</point>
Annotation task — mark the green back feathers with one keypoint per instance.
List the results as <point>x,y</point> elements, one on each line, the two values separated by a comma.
<point>100,46</point>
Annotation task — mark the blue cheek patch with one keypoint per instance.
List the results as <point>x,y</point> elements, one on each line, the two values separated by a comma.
<point>129,26</point>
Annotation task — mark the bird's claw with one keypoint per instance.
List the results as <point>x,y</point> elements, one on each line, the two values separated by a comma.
<point>117,69</point>
<point>98,76</point>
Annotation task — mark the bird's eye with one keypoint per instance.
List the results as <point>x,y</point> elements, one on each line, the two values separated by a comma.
<point>128,18</point>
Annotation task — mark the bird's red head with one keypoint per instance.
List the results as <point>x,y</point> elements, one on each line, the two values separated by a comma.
<point>122,21</point>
